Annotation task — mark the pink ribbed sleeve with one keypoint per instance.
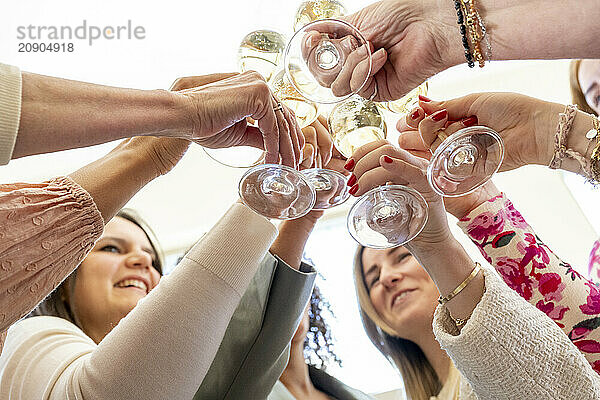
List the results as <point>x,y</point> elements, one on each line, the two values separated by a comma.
<point>46,229</point>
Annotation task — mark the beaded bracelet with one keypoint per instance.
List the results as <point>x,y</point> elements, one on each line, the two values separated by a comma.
<point>463,32</point>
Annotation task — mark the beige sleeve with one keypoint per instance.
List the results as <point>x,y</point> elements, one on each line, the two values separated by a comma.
<point>10,110</point>
<point>509,349</point>
<point>163,348</point>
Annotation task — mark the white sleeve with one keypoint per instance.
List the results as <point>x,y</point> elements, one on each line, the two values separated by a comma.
<point>10,110</point>
<point>509,349</point>
<point>163,348</point>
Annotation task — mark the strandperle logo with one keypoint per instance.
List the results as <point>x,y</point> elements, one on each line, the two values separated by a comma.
<point>85,31</point>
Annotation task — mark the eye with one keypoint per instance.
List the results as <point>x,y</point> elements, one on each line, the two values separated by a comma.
<point>403,257</point>
<point>597,100</point>
<point>373,281</point>
<point>110,249</point>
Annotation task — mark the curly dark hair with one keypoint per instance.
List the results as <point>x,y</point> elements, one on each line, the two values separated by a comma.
<point>318,344</point>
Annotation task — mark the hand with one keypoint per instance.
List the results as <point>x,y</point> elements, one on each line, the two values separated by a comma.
<point>413,41</point>
<point>525,124</point>
<point>378,163</point>
<point>219,105</point>
<point>318,144</point>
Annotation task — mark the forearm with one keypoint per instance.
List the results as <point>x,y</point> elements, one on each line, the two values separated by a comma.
<point>293,235</point>
<point>59,114</point>
<point>523,30</point>
<point>448,264</point>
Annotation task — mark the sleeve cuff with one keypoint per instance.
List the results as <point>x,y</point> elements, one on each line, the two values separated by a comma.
<point>491,205</point>
<point>10,110</point>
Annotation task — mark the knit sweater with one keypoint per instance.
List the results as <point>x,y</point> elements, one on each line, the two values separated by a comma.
<point>10,110</point>
<point>163,348</point>
<point>509,349</point>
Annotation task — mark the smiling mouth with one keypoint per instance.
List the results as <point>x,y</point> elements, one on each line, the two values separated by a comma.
<point>133,283</point>
<point>401,297</point>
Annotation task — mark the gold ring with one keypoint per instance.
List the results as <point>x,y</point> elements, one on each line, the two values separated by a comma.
<point>441,134</point>
<point>278,107</point>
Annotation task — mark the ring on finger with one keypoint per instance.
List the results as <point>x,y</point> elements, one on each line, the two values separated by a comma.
<point>441,134</point>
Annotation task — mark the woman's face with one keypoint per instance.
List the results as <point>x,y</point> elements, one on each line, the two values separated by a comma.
<point>114,276</point>
<point>400,290</point>
<point>589,80</point>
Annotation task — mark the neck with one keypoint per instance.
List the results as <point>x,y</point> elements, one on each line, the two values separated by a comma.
<point>436,356</point>
<point>295,377</point>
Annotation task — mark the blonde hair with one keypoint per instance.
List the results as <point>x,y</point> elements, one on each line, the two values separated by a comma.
<point>420,380</point>
<point>576,93</point>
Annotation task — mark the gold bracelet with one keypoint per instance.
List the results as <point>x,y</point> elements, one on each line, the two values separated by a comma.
<point>463,284</point>
<point>459,321</point>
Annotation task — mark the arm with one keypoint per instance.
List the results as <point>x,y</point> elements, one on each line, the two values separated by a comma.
<point>189,310</point>
<point>510,350</point>
<point>530,268</point>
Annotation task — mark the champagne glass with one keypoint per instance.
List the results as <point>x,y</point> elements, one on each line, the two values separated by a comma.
<point>405,104</point>
<point>306,111</point>
<point>330,187</point>
<point>259,51</point>
<point>277,191</point>
<point>314,10</point>
<point>387,216</point>
<point>465,160</point>
<point>327,61</point>
<point>354,123</point>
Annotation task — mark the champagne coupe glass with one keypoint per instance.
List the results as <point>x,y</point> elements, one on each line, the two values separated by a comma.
<point>410,100</point>
<point>314,10</point>
<point>259,51</point>
<point>465,160</point>
<point>354,123</point>
<point>327,61</point>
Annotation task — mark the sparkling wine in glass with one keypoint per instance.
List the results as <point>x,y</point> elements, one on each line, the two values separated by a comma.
<point>465,160</point>
<point>306,111</point>
<point>328,61</point>
<point>405,104</point>
<point>387,216</point>
<point>277,191</point>
<point>261,51</point>
<point>354,123</point>
<point>314,10</point>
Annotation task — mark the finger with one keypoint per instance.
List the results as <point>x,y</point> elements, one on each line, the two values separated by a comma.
<point>341,84</point>
<point>201,80</point>
<point>286,146</point>
<point>324,141</point>
<point>411,120</point>
<point>432,126</point>
<point>253,137</point>
<point>415,173</point>
<point>308,156</point>
<point>412,140</point>
<point>457,108</point>
<point>376,177</point>
<point>269,128</point>
<point>448,130</point>
<point>292,124</point>
<point>360,74</point>
<point>363,151</point>
<point>310,137</point>
<point>371,159</point>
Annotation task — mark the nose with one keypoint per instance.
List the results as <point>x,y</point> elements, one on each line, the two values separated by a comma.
<point>138,260</point>
<point>390,277</point>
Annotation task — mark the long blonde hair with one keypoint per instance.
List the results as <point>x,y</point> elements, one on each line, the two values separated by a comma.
<point>576,93</point>
<point>420,380</point>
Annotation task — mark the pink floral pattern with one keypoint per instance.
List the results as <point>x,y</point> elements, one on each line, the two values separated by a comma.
<point>530,268</point>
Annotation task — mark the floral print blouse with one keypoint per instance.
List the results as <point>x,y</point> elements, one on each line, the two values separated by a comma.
<point>529,267</point>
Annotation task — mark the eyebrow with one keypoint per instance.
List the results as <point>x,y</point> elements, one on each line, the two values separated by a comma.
<point>123,242</point>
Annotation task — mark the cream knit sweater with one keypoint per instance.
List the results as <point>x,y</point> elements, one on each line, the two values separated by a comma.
<point>511,350</point>
<point>163,348</point>
<point>10,110</point>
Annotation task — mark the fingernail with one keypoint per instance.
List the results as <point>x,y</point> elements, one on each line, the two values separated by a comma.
<point>354,189</point>
<point>470,121</point>
<point>352,180</point>
<point>440,115</point>
<point>415,114</point>
<point>425,99</point>
<point>349,165</point>
<point>387,159</point>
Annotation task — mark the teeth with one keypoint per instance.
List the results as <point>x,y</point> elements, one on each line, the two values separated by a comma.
<point>133,282</point>
<point>400,297</point>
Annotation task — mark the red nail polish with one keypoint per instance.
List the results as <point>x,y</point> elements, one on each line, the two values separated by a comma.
<point>387,159</point>
<point>354,189</point>
<point>470,121</point>
<point>352,180</point>
<point>349,165</point>
<point>425,99</point>
<point>415,114</point>
<point>440,115</point>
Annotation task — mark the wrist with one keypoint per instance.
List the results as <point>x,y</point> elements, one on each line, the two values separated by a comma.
<point>444,18</point>
<point>176,112</point>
